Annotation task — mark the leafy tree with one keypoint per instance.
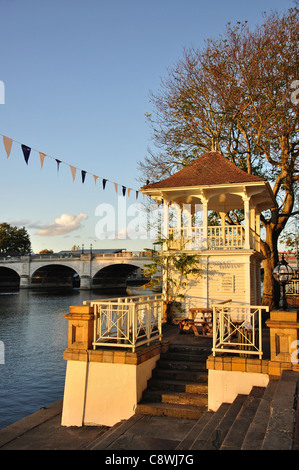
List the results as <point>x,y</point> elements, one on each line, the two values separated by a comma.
<point>239,96</point>
<point>14,240</point>
<point>175,268</point>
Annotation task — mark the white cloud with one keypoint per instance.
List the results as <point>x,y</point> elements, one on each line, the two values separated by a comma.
<point>66,223</point>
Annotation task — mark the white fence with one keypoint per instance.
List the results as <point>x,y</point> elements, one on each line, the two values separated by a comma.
<point>224,237</point>
<point>127,322</point>
<point>292,288</point>
<point>237,329</point>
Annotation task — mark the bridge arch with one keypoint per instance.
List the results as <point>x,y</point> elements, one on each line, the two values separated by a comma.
<point>9,278</point>
<point>55,276</point>
<point>113,277</point>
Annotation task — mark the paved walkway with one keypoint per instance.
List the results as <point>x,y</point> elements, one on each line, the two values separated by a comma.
<point>42,430</point>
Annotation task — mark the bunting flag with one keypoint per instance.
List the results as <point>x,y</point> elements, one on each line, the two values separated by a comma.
<point>26,152</point>
<point>7,144</point>
<point>7,141</point>
<point>42,158</point>
<point>58,163</point>
<point>73,171</point>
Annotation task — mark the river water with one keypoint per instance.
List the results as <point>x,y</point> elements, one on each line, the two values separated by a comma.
<point>33,337</point>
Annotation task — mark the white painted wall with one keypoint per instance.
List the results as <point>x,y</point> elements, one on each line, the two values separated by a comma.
<point>224,386</point>
<point>98,393</point>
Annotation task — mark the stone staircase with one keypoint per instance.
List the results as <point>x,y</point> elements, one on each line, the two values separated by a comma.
<point>263,420</point>
<point>179,384</point>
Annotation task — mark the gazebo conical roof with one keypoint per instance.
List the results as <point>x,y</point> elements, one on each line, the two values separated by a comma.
<point>212,168</point>
<point>212,172</point>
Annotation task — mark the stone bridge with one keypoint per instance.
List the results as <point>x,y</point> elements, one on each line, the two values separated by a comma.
<point>84,270</point>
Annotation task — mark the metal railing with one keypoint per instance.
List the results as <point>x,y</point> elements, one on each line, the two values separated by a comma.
<point>292,288</point>
<point>127,322</point>
<point>237,329</point>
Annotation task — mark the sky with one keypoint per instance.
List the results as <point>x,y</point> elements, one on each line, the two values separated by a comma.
<point>75,79</point>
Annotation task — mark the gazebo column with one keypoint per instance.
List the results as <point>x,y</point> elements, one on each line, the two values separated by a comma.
<point>165,221</point>
<point>258,231</point>
<point>204,224</point>
<point>188,213</point>
<point>246,200</point>
<point>178,231</point>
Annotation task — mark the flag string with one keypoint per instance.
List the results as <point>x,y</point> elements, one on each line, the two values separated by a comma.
<point>7,141</point>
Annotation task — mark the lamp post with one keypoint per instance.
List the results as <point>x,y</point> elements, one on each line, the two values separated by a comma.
<point>283,273</point>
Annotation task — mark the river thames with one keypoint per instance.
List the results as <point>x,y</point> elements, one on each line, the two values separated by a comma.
<point>33,337</point>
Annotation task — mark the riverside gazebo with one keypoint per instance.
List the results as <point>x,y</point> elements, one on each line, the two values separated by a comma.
<point>114,344</point>
<point>229,254</point>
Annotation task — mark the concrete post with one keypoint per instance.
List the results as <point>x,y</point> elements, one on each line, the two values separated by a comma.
<point>284,327</point>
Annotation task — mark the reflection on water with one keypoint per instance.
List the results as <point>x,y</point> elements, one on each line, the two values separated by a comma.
<point>34,333</point>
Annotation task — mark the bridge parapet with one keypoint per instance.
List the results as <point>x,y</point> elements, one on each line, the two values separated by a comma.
<point>35,270</point>
<point>83,256</point>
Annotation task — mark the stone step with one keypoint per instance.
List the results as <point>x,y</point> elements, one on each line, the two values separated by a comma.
<point>177,386</point>
<point>238,430</point>
<point>217,435</point>
<point>282,424</point>
<point>208,429</point>
<point>213,434</point>
<point>182,398</point>
<point>257,430</point>
<point>189,348</point>
<point>180,375</point>
<point>171,410</point>
<point>185,357</point>
<point>181,365</point>
<point>195,431</point>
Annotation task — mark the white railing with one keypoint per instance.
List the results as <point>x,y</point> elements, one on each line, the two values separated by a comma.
<point>238,329</point>
<point>127,322</point>
<point>225,237</point>
<point>292,288</point>
<point>185,238</point>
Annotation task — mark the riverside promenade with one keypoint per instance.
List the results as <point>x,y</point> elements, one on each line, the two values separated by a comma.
<point>43,431</point>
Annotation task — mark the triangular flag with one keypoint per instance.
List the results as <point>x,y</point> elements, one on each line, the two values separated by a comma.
<point>104,183</point>
<point>83,174</point>
<point>73,170</point>
<point>26,152</point>
<point>124,190</point>
<point>42,157</point>
<point>116,187</point>
<point>7,144</point>
<point>95,179</point>
<point>58,163</point>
